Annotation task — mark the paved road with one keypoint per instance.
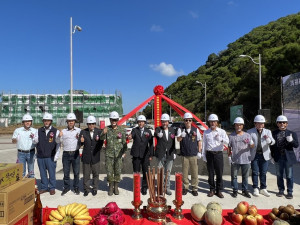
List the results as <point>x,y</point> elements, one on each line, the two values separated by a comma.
<point>8,154</point>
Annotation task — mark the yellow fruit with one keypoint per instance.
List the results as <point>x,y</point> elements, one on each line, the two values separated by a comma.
<point>61,210</point>
<point>53,218</point>
<point>56,215</point>
<point>52,223</point>
<point>77,209</point>
<point>83,212</point>
<point>83,217</point>
<point>67,209</point>
<point>83,222</point>
<point>72,208</point>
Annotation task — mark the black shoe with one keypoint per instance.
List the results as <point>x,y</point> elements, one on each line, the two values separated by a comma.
<point>279,194</point>
<point>184,191</point>
<point>65,191</point>
<point>219,194</point>
<point>234,194</point>
<point>76,191</point>
<point>144,191</point>
<point>94,192</point>
<point>195,193</point>
<point>246,194</point>
<point>86,193</point>
<point>211,193</point>
<point>289,196</point>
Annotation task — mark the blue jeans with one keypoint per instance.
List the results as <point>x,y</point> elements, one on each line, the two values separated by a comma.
<point>68,159</point>
<point>284,166</point>
<point>259,168</point>
<point>245,174</point>
<point>167,164</point>
<point>47,165</point>
<point>29,159</point>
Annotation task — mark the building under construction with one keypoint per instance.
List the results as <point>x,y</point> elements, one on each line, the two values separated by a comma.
<point>14,106</point>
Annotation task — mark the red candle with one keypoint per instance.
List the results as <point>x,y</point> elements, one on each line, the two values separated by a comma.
<point>178,181</point>
<point>137,188</point>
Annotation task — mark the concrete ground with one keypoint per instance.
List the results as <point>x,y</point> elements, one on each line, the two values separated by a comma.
<point>8,154</point>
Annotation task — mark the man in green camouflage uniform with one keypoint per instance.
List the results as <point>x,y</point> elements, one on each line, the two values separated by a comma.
<point>116,147</point>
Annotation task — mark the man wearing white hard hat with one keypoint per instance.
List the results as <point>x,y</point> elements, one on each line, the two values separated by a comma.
<point>190,148</point>
<point>116,147</point>
<point>214,140</point>
<point>23,137</point>
<point>260,155</point>
<point>165,148</point>
<point>284,155</point>
<point>239,151</point>
<point>89,138</point>
<point>141,150</point>
<point>48,150</point>
<point>69,138</point>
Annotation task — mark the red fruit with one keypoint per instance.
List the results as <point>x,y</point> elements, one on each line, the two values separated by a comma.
<point>252,210</point>
<point>236,218</point>
<point>100,220</point>
<point>110,208</point>
<point>259,219</point>
<point>250,220</point>
<point>242,207</point>
<point>116,218</point>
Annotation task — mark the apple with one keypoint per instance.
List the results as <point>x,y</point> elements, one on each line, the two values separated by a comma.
<point>252,210</point>
<point>242,207</point>
<point>250,220</point>
<point>237,218</point>
<point>259,219</point>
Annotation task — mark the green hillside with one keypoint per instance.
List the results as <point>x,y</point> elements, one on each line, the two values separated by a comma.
<point>232,80</point>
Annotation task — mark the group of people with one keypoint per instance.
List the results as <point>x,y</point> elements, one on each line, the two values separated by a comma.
<point>246,150</point>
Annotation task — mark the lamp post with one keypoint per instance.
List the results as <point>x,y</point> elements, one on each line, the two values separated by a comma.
<point>72,31</point>
<point>204,86</point>
<point>170,97</point>
<point>257,63</point>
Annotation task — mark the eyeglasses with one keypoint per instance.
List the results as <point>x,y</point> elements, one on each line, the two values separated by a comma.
<point>91,124</point>
<point>188,120</point>
<point>114,119</point>
<point>282,122</point>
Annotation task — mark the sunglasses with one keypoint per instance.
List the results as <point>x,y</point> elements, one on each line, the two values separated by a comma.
<point>91,124</point>
<point>114,119</point>
<point>282,122</point>
<point>188,120</point>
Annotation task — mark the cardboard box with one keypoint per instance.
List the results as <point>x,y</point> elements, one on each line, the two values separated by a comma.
<point>16,199</point>
<point>10,173</point>
<point>25,218</point>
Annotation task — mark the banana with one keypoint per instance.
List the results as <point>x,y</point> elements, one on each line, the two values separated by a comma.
<point>83,212</point>
<point>56,215</point>
<point>61,210</point>
<point>67,209</point>
<point>53,218</point>
<point>72,208</point>
<point>82,222</point>
<point>77,209</point>
<point>86,214</point>
<point>83,217</point>
<point>52,223</point>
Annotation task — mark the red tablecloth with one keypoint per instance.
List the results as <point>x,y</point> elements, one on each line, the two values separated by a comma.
<point>187,220</point>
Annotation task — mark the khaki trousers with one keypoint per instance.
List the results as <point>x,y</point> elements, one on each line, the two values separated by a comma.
<point>190,162</point>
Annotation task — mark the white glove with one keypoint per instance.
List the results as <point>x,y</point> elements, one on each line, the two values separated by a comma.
<point>230,160</point>
<point>160,134</point>
<point>199,155</point>
<point>289,138</point>
<point>272,161</point>
<point>268,140</point>
<point>55,159</point>
<point>174,157</point>
<point>251,142</point>
<point>183,134</point>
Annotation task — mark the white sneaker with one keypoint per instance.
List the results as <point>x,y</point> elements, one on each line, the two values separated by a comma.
<point>256,192</point>
<point>264,192</point>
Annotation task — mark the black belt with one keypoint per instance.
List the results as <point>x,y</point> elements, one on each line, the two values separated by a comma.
<point>215,152</point>
<point>26,151</point>
<point>70,152</point>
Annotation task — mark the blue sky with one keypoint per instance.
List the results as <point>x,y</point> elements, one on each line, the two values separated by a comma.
<point>130,46</point>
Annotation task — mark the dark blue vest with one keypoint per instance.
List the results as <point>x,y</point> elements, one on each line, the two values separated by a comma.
<point>46,147</point>
<point>189,144</point>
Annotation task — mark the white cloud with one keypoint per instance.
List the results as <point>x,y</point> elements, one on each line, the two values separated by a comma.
<point>166,69</point>
<point>194,14</point>
<point>156,28</point>
<point>230,3</point>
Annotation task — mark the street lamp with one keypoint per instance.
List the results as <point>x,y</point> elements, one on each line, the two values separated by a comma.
<point>258,63</point>
<point>72,31</point>
<point>204,86</point>
<point>170,97</point>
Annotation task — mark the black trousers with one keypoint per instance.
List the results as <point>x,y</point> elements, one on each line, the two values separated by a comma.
<point>215,165</point>
<point>137,164</point>
<point>87,169</point>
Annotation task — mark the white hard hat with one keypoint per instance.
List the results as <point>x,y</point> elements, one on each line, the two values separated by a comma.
<point>141,118</point>
<point>27,117</point>
<point>239,120</point>
<point>91,119</point>
<point>213,117</point>
<point>71,116</point>
<point>187,115</point>
<point>259,119</point>
<point>47,116</point>
<point>165,117</point>
<point>114,115</point>
<point>281,118</point>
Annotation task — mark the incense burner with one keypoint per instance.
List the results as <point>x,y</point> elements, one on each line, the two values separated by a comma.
<point>157,210</point>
